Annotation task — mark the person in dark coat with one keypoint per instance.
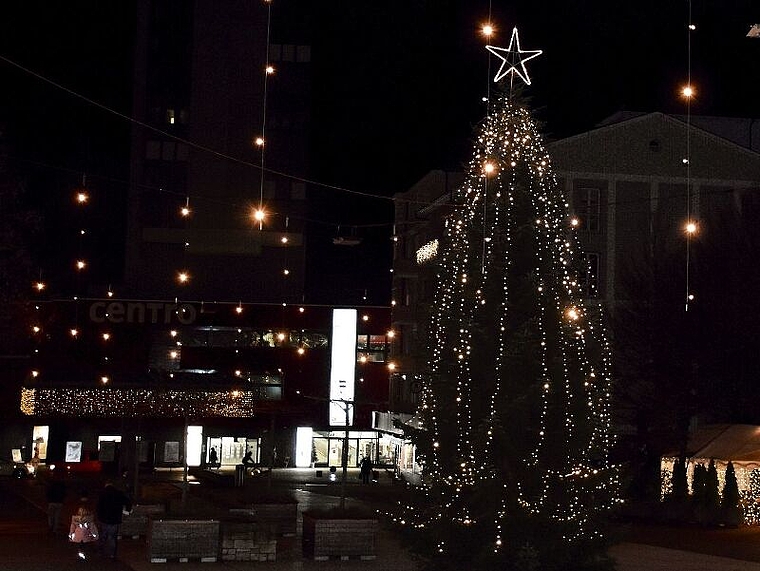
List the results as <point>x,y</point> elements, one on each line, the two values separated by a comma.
<point>55,495</point>
<point>112,503</point>
<point>365,467</point>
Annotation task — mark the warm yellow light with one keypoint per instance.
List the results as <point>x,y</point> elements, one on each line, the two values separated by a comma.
<point>106,336</point>
<point>183,277</point>
<point>284,239</point>
<point>301,350</point>
<point>489,168</point>
<point>82,197</point>
<point>365,317</point>
<point>286,271</point>
<point>238,372</point>
<point>173,354</point>
<point>391,334</point>
<point>691,227</point>
<point>687,91</point>
<point>35,374</point>
<point>259,141</point>
<point>487,30</point>
<point>185,211</point>
<point>36,329</point>
<point>81,264</point>
<point>258,215</point>
<point>110,293</point>
<point>39,286</point>
<point>239,309</point>
<point>270,69</point>
<point>301,310</point>
<point>173,333</point>
<point>572,314</point>
<point>235,394</point>
<point>104,380</point>
<point>392,366</point>
<point>73,332</point>
<point>281,337</point>
<point>363,359</point>
<point>574,222</point>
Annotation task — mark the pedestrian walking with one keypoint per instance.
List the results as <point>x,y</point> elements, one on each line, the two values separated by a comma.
<point>83,530</point>
<point>112,503</point>
<point>365,467</point>
<point>213,460</point>
<point>55,494</point>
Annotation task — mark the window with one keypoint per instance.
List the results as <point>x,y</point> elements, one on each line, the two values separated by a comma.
<point>371,348</point>
<point>588,208</point>
<point>290,52</point>
<point>298,191</point>
<point>303,54</point>
<point>589,275</point>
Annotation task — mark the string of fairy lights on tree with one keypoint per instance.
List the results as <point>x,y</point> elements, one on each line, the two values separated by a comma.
<point>510,171</point>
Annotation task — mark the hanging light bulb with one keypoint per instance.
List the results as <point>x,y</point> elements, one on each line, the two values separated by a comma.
<point>183,277</point>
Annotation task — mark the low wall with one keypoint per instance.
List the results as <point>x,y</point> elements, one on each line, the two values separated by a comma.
<point>324,538</point>
<point>135,524</point>
<point>183,540</point>
<point>247,541</point>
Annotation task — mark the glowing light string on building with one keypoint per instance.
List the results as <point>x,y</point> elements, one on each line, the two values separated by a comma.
<point>261,141</point>
<point>691,227</point>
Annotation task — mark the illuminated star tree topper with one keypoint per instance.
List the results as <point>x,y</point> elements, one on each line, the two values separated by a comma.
<point>513,59</point>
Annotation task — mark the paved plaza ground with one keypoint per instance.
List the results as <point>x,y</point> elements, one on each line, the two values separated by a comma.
<point>25,544</point>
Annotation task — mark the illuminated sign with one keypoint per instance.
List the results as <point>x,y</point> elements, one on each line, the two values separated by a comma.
<point>342,367</point>
<point>142,312</point>
<point>304,436</point>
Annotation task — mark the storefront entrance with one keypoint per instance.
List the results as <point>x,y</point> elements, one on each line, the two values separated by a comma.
<point>230,449</point>
<point>328,447</point>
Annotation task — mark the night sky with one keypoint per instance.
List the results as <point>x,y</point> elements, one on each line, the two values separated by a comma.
<point>397,84</point>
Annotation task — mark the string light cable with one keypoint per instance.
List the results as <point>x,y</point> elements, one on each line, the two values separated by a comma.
<point>200,147</point>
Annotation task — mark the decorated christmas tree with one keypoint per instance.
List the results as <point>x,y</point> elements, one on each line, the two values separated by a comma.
<point>515,409</point>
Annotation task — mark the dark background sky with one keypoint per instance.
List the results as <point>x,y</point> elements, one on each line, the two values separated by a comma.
<point>397,84</point>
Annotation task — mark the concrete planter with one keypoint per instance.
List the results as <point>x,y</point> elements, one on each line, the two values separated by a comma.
<point>136,523</point>
<point>327,537</point>
<point>245,540</point>
<point>183,540</point>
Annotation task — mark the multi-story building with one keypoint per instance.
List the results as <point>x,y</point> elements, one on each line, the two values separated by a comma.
<point>626,183</point>
<point>221,125</point>
<point>222,108</point>
<point>284,381</point>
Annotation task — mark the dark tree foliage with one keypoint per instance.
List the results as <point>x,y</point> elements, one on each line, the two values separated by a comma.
<point>699,485</point>
<point>730,496</point>
<point>680,482</point>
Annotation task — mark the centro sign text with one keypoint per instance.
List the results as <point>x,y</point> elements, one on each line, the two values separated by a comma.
<point>142,312</point>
